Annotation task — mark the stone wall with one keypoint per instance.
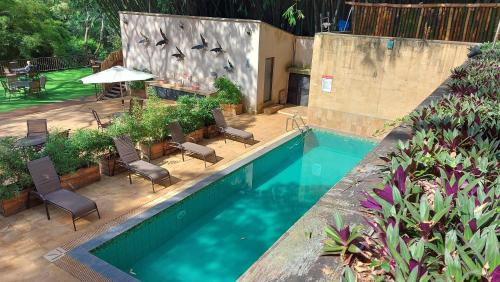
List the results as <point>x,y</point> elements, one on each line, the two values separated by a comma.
<point>277,44</point>
<point>303,52</point>
<point>246,44</point>
<point>372,83</point>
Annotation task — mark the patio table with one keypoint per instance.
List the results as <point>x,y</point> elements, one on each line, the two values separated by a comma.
<point>23,83</point>
<point>32,141</point>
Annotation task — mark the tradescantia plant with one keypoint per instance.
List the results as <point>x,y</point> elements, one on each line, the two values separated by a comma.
<point>435,216</point>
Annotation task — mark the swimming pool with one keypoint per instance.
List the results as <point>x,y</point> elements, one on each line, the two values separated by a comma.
<point>222,227</point>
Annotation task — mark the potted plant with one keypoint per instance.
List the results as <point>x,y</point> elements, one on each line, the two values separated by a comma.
<point>205,107</point>
<point>189,118</point>
<point>77,168</point>
<point>15,180</point>
<point>229,95</point>
<point>138,88</point>
<point>153,124</point>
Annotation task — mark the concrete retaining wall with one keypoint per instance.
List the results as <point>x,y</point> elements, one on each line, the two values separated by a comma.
<point>373,84</point>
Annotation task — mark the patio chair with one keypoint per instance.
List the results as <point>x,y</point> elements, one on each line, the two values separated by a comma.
<point>129,158</point>
<point>179,141</point>
<point>9,91</point>
<point>230,132</point>
<point>49,190</point>
<point>35,88</point>
<point>43,82</point>
<point>6,70</point>
<point>100,125</point>
<point>37,127</point>
<point>11,80</point>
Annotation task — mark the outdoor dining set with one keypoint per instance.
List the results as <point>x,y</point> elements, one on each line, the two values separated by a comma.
<point>25,81</point>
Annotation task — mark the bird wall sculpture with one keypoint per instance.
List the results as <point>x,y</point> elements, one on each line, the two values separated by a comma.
<point>218,50</point>
<point>164,40</point>
<point>201,46</point>
<point>179,55</point>
<point>144,40</point>
<point>229,67</point>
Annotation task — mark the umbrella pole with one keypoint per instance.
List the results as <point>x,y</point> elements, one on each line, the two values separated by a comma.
<point>121,94</point>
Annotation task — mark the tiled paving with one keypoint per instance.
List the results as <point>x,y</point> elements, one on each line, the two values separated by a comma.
<point>26,237</point>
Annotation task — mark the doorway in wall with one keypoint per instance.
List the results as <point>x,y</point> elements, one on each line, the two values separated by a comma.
<point>268,79</point>
<point>298,89</point>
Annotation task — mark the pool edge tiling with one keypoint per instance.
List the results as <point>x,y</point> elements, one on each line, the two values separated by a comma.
<point>84,253</point>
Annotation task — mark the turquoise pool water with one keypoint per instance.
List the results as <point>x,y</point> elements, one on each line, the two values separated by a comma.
<point>217,233</point>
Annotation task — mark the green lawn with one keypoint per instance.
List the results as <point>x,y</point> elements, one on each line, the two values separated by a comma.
<point>61,86</point>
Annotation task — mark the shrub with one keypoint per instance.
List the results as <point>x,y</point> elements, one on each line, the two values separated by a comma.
<point>63,153</point>
<point>153,120</point>
<point>187,114</point>
<point>92,145</point>
<point>14,175</point>
<point>127,124</point>
<point>435,215</point>
<point>227,91</point>
<point>205,107</point>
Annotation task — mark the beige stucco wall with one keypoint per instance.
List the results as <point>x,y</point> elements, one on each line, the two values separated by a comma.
<point>241,49</point>
<point>373,85</point>
<point>278,44</point>
<point>303,51</point>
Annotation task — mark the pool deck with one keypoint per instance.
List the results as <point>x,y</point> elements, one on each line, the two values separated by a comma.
<point>27,236</point>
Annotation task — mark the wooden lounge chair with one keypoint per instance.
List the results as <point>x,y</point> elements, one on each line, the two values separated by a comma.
<point>129,158</point>
<point>230,132</point>
<point>49,190</point>
<point>100,125</point>
<point>179,141</point>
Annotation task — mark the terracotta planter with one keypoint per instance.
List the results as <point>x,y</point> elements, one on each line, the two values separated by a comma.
<point>81,178</point>
<point>232,110</point>
<point>153,151</point>
<point>14,205</point>
<point>197,135</point>
<point>169,148</point>
<point>210,131</point>
<point>109,165</point>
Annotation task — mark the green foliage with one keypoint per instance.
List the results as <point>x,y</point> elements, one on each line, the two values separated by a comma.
<point>138,84</point>
<point>227,91</point>
<point>127,124</point>
<point>153,120</point>
<point>293,14</point>
<point>14,175</point>
<point>435,215</point>
<point>28,29</point>
<point>187,114</point>
<point>205,107</point>
<point>63,153</point>
<point>92,144</point>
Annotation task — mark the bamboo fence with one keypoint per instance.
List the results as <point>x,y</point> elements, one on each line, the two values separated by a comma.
<point>447,21</point>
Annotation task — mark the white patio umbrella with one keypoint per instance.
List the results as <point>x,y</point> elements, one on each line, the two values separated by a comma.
<point>116,74</point>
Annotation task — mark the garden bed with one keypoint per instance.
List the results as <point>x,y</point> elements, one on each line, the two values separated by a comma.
<point>14,205</point>
<point>110,166</point>
<point>153,151</point>
<point>81,178</point>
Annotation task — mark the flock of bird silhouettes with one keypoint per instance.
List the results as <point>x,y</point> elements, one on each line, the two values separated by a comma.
<point>180,55</point>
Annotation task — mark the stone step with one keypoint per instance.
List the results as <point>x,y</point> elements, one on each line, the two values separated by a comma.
<point>269,110</point>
